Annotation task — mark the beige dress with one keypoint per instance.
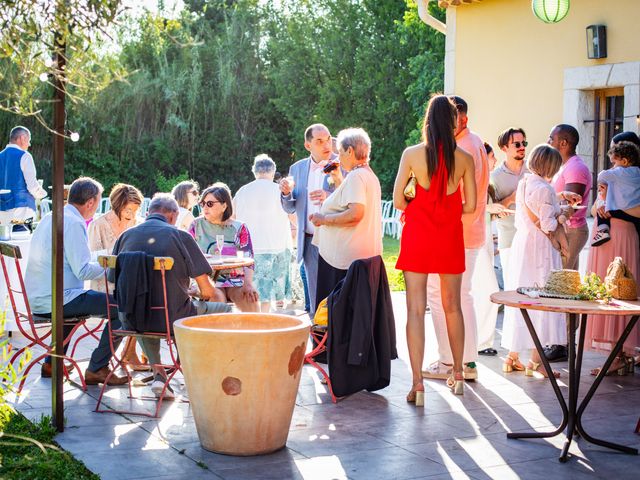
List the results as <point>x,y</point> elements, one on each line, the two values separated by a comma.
<point>102,239</point>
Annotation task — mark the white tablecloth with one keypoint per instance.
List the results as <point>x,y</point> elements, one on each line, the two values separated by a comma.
<point>22,240</point>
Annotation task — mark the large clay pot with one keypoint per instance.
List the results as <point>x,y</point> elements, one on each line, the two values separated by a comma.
<point>242,372</point>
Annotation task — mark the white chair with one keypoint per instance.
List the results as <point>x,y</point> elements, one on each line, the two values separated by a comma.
<point>144,207</point>
<point>45,207</point>
<point>390,219</point>
<point>105,206</point>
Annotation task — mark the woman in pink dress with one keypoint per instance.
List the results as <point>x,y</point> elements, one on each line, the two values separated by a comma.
<point>604,331</point>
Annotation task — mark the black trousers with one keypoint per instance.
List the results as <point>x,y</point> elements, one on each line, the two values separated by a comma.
<point>328,278</point>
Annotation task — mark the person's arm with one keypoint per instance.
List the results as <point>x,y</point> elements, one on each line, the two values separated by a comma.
<point>402,178</point>
<point>350,217</point>
<point>207,291</point>
<point>469,185</point>
<point>286,194</point>
<point>77,253</point>
<point>28,168</point>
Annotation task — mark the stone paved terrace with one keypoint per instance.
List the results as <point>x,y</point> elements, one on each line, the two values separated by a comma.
<point>367,435</point>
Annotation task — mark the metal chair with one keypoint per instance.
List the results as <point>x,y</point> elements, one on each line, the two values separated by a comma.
<point>37,329</point>
<point>162,265</point>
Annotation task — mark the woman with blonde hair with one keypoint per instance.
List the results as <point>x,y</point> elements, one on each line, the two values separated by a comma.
<point>538,214</point>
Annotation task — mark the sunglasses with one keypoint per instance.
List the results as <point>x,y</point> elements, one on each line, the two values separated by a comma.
<point>209,203</point>
<point>517,144</point>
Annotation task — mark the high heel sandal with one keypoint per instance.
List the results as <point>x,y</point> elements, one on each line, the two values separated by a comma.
<point>534,367</point>
<point>416,396</point>
<point>510,364</point>
<point>456,383</point>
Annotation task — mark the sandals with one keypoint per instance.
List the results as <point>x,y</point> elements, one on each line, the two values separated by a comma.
<point>416,395</point>
<point>456,383</point>
<point>533,369</point>
<point>510,364</point>
<point>622,365</point>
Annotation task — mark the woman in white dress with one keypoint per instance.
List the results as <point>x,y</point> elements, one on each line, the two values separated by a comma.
<point>533,258</point>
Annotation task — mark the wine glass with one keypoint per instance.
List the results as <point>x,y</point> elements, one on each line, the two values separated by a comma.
<point>219,244</point>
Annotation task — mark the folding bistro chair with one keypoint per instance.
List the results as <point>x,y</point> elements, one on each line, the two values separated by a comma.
<point>319,334</point>
<point>162,265</point>
<point>34,328</point>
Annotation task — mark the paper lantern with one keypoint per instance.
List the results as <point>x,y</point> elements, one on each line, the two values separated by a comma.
<point>550,11</point>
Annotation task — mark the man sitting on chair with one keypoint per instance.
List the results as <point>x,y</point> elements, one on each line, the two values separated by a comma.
<point>158,236</point>
<point>83,201</point>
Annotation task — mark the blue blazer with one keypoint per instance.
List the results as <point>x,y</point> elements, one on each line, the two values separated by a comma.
<point>297,200</point>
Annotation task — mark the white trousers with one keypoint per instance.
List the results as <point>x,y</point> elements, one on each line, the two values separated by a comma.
<point>483,284</point>
<point>434,299</point>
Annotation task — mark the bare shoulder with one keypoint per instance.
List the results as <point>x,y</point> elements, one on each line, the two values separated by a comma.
<point>463,158</point>
<point>414,153</point>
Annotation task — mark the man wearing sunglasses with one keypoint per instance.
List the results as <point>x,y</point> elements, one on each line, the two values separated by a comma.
<point>505,179</point>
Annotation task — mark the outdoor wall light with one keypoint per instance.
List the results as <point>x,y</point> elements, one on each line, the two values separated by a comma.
<point>597,41</point>
<point>550,11</point>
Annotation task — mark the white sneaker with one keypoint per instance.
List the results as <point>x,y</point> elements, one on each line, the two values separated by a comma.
<point>438,370</point>
<point>601,236</point>
<point>158,385</point>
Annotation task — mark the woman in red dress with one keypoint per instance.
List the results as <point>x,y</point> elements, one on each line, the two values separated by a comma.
<point>432,239</point>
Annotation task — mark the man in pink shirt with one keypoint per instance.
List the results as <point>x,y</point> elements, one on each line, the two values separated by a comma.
<point>574,176</point>
<point>474,226</point>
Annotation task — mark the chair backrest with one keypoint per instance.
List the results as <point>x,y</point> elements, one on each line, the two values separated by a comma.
<point>144,207</point>
<point>11,254</point>
<point>45,207</point>
<point>386,209</point>
<point>105,206</point>
<point>161,264</point>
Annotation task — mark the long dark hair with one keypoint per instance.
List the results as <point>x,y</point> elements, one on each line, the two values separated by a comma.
<point>438,131</point>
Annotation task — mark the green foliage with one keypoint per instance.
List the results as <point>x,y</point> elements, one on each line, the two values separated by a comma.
<point>593,288</point>
<point>226,80</point>
<point>390,251</point>
<point>166,184</point>
<point>9,375</point>
<point>27,451</point>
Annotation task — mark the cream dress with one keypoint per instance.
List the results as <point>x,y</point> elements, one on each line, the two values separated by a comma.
<point>532,258</point>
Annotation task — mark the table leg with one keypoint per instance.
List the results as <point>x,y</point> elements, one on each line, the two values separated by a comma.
<point>554,385</point>
<point>574,384</point>
<point>585,401</point>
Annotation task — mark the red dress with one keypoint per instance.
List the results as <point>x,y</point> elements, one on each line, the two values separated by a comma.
<point>432,239</point>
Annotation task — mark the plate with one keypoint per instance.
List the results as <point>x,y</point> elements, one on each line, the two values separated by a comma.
<point>579,207</point>
<point>230,260</point>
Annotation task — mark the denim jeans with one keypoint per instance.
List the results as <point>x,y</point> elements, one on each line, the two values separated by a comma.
<point>94,304</point>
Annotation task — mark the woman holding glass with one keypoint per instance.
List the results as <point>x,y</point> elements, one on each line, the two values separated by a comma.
<point>216,232</point>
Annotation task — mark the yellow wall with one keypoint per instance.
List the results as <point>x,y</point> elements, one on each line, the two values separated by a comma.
<point>509,65</point>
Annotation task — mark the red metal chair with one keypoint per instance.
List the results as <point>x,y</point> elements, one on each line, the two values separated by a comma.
<point>161,264</point>
<point>34,328</point>
<point>319,335</point>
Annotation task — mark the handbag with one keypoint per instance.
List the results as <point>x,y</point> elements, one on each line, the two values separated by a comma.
<point>410,189</point>
<point>619,281</point>
<point>558,237</point>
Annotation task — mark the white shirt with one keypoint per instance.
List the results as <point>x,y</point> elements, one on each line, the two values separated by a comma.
<point>29,172</point>
<point>77,264</point>
<point>314,182</point>
<point>257,205</point>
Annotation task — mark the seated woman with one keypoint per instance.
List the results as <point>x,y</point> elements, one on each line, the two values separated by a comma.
<point>217,210</point>
<point>186,194</point>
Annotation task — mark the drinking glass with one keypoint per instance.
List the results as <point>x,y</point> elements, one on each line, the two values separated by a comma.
<point>219,244</point>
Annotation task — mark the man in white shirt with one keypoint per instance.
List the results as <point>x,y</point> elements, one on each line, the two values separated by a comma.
<point>303,193</point>
<point>83,201</point>
<point>19,187</point>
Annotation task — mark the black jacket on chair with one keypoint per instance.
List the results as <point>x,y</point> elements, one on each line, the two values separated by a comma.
<point>134,271</point>
<point>362,338</point>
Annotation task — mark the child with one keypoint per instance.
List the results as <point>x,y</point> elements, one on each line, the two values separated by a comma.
<point>619,190</point>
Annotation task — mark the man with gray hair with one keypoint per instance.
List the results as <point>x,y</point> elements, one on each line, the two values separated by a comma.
<point>257,204</point>
<point>158,236</point>
<point>19,187</point>
<point>83,201</point>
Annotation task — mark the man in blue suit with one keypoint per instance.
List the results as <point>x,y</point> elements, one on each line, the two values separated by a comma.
<point>303,193</point>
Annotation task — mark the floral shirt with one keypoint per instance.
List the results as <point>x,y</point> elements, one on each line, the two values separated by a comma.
<point>236,238</point>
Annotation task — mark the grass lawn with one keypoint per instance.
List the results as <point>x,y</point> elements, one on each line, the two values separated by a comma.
<point>390,249</point>
<point>22,459</point>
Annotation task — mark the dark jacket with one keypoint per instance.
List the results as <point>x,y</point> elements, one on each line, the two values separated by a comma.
<point>134,271</point>
<point>362,338</point>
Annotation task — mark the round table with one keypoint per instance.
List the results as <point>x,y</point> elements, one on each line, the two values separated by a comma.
<point>571,411</point>
<point>227,262</point>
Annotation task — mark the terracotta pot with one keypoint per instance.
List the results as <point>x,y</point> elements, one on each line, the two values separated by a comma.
<point>242,372</point>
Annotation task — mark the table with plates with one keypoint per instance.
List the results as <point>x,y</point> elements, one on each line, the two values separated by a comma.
<point>22,240</point>
<point>572,410</point>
